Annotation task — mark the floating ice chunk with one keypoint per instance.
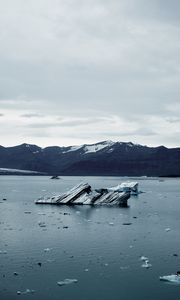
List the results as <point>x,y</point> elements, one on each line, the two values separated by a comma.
<point>42,224</point>
<point>106,264</point>
<point>167,229</point>
<point>146,264</point>
<point>144,258</point>
<point>67,281</point>
<point>3,252</point>
<point>27,291</point>
<point>171,278</point>
<point>111,223</point>
<point>124,268</point>
<point>47,249</point>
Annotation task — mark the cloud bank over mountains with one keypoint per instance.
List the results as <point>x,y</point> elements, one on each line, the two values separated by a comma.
<point>75,72</point>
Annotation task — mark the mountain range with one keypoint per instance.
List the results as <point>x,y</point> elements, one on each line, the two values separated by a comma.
<point>103,158</point>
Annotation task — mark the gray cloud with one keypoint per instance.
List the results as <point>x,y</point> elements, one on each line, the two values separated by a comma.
<point>32,115</point>
<point>90,59</point>
<point>139,132</point>
<point>173,120</point>
<point>67,123</point>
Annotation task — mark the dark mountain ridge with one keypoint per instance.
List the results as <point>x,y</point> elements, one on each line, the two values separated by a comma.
<point>103,158</point>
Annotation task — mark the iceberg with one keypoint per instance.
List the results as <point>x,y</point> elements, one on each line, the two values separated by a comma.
<point>82,194</point>
<point>131,187</point>
<point>67,281</point>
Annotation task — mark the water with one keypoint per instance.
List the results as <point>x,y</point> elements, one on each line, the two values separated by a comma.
<point>88,244</point>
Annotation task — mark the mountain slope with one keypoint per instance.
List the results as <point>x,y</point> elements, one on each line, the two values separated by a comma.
<point>103,158</point>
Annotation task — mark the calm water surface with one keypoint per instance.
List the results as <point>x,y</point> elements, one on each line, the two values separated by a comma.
<point>88,244</point>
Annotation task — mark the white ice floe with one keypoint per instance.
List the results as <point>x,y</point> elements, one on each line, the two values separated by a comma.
<point>170,278</point>
<point>67,281</point>
<point>168,229</point>
<point>47,249</point>
<point>144,258</point>
<point>3,252</point>
<point>27,291</point>
<point>146,264</point>
<point>111,223</point>
<point>41,224</point>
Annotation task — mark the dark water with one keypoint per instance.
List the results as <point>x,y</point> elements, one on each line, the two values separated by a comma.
<point>96,248</point>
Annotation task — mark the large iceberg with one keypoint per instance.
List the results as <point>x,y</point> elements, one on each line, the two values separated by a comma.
<point>83,194</point>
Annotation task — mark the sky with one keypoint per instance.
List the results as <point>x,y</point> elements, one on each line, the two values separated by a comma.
<point>82,71</point>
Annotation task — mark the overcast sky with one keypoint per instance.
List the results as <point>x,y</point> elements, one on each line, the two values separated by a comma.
<point>82,71</point>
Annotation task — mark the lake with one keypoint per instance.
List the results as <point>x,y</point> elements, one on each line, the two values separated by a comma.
<point>41,245</point>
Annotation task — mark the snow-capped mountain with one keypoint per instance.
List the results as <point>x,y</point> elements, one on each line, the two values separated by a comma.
<point>103,158</point>
<point>92,148</point>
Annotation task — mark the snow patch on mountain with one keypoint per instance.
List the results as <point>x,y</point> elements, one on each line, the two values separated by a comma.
<point>73,148</point>
<point>97,147</point>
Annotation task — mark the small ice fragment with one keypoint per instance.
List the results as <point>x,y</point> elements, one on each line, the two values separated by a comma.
<point>106,264</point>
<point>86,270</point>
<point>146,265</point>
<point>3,252</point>
<point>47,249</point>
<point>111,223</point>
<point>50,260</point>
<point>27,291</point>
<point>42,224</point>
<point>67,281</point>
<point>167,229</point>
<point>144,258</point>
<point>124,268</point>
